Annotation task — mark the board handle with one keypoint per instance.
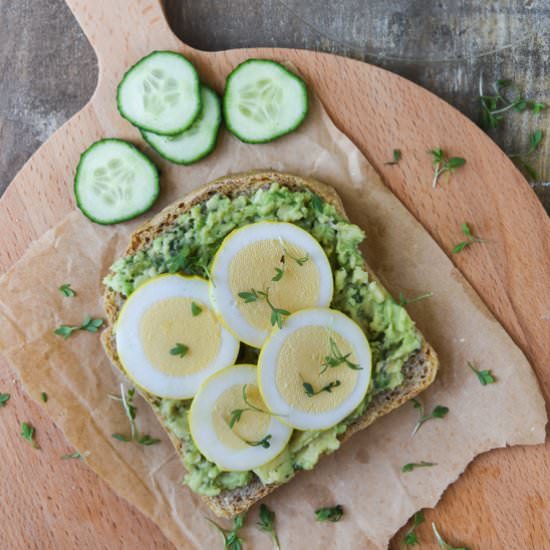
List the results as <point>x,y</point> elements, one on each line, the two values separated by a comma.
<point>120,29</point>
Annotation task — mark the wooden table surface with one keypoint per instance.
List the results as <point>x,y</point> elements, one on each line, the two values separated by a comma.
<point>49,72</point>
<point>48,69</point>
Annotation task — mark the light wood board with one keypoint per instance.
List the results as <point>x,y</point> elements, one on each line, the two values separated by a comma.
<point>503,499</point>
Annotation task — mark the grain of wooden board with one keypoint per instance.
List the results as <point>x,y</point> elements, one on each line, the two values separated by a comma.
<point>502,499</point>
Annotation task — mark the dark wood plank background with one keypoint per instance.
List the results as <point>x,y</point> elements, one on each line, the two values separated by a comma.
<point>48,69</point>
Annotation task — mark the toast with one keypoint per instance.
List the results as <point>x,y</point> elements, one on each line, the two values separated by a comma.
<point>419,370</point>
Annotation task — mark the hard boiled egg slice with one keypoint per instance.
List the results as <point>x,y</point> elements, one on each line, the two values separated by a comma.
<point>168,338</point>
<point>236,441</point>
<point>316,369</point>
<point>279,260</point>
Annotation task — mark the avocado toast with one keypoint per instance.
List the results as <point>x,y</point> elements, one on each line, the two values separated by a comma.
<point>403,362</point>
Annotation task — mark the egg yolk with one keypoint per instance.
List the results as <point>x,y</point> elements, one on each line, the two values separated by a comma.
<point>300,361</point>
<point>254,267</point>
<point>252,425</point>
<point>169,326</point>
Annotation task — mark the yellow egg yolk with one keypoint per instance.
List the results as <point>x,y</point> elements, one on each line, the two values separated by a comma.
<point>170,322</point>
<point>252,425</point>
<point>254,267</point>
<point>300,361</point>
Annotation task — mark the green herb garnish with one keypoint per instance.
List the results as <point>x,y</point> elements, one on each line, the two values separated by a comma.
<point>267,524</point>
<point>66,290</point>
<point>236,416</point>
<point>444,545</point>
<point>317,203</point>
<point>147,440</point>
<point>237,413</point>
<point>396,157</point>
<point>264,442</point>
<point>252,296</point>
<point>442,164</point>
<point>75,455</point>
<point>494,107</point>
<point>279,272</point>
<point>65,330</point>
<point>44,397</point>
<point>180,350</point>
<point>182,261</point>
<point>406,301</point>
<point>534,141</point>
<point>231,539</point>
<point>412,465</point>
<point>120,437</point>
<point>337,358</point>
<point>470,239</point>
<point>310,392</point>
<point>89,324</point>
<point>28,432</point>
<point>524,160</point>
<point>259,295</point>
<point>438,412</point>
<point>330,513</point>
<point>299,261</point>
<point>186,262</point>
<point>4,398</point>
<point>410,536</point>
<point>484,376</point>
<point>130,410</point>
<point>195,309</point>
<point>203,266</point>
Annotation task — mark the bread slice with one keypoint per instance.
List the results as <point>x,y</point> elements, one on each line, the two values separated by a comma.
<point>419,370</point>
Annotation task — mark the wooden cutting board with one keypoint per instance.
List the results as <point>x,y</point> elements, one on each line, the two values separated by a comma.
<point>503,499</point>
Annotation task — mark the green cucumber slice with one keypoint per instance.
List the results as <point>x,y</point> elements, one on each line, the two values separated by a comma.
<point>263,101</point>
<point>196,142</point>
<point>115,182</point>
<point>160,93</point>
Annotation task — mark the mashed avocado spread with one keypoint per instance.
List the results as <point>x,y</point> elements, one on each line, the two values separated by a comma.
<point>189,247</point>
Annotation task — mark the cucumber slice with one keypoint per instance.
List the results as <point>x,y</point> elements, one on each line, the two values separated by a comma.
<point>115,182</point>
<point>263,101</point>
<point>160,93</point>
<point>195,143</point>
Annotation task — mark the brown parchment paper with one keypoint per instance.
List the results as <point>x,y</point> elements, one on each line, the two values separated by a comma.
<point>365,474</point>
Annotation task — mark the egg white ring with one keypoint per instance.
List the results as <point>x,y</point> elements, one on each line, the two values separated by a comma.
<point>220,294</point>
<point>128,341</point>
<point>268,362</point>
<point>202,427</point>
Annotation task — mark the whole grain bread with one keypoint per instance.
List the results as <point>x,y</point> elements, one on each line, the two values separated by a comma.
<point>419,370</point>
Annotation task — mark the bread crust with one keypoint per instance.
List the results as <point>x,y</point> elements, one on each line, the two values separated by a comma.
<point>420,369</point>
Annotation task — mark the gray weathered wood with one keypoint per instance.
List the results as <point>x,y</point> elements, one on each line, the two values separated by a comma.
<point>49,71</point>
